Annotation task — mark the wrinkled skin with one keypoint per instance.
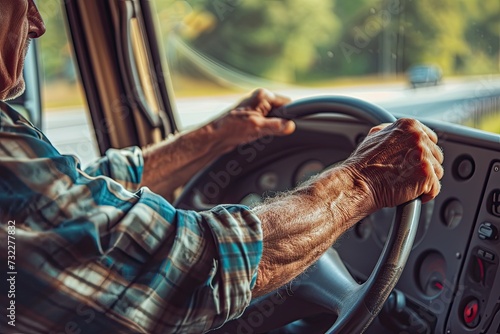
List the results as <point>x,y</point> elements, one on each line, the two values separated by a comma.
<point>190,152</point>
<point>399,162</point>
<point>248,121</point>
<point>396,163</point>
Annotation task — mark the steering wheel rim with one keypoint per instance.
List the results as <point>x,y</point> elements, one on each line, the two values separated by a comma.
<point>355,305</point>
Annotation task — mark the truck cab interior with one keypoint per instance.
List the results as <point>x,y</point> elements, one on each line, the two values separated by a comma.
<point>151,68</point>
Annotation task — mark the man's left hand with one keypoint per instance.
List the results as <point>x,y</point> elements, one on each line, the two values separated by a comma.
<point>248,121</point>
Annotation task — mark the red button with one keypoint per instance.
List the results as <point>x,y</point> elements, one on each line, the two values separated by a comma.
<point>471,313</point>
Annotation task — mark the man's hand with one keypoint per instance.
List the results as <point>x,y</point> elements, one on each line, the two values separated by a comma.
<point>399,162</point>
<point>188,153</point>
<point>248,121</point>
<point>394,164</point>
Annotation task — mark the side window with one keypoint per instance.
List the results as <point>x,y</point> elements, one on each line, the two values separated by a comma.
<point>219,50</point>
<point>66,121</point>
<point>203,87</point>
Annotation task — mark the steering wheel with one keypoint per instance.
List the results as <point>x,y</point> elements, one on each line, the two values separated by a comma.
<point>326,298</point>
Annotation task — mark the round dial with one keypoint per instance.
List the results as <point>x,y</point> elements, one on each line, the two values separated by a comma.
<point>306,170</point>
<point>431,273</point>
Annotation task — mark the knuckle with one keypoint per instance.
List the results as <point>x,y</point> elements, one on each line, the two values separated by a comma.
<point>434,190</point>
<point>416,155</point>
<point>260,93</point>
<point>254,122</point>
<point>441,154</point>
<point>427,169</point>
<point>416,138</point>
<point>441,172</point>
<point>406,123</point>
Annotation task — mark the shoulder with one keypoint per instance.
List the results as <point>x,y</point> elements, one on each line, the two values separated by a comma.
<point>10,115</point>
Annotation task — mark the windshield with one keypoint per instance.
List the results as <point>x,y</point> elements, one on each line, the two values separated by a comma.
<point>429,59</point>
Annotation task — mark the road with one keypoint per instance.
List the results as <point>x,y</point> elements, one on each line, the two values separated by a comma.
<point>70,130</point>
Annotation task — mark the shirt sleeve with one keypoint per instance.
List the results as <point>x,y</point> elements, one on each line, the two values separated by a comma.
<point>95,257</point>
<point>124,166</point>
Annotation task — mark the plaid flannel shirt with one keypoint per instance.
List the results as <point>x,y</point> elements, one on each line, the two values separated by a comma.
<point>93,253</point>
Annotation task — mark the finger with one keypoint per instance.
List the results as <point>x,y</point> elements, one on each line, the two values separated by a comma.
<point>280,100</point>
<point>439,170</point>
<point>277,126</point>
<point>275,100</point>
<point>432,135</point>
<point>433,190</point>
<point>377,128</point>
<point>436,165</point>
<point>252,99</point>
<point>264,107</point>
<point>437,152</point>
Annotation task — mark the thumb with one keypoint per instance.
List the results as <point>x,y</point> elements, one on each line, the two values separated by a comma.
<point>278,126</point>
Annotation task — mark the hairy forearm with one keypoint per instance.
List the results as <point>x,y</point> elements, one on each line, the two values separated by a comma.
<point>170,164</point>
<point>300,226</point>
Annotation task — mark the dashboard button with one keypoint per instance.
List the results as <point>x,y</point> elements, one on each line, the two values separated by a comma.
<point>489,256</point>
<point>471,313</point>
<point>487,231</point>
<point>464,168</point>
<point>494,203</point>
<point>480,252</point>
<point>477,268</point>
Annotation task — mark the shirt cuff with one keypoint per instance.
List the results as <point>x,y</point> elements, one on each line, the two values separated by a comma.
<point>124,166</point>
<point>237,235</point>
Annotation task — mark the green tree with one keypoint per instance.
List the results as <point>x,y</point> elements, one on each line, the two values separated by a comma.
<point>435,32</point>
<point>298,40</point>
<point>483,37</point>
<point>280,39</point>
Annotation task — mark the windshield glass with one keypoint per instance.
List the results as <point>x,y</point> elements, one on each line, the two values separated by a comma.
<point>428,59</point>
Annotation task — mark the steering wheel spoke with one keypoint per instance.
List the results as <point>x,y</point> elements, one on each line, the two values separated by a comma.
<point>328,283</point>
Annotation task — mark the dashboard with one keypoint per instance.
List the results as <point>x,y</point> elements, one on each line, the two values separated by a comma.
<point>450,282</point>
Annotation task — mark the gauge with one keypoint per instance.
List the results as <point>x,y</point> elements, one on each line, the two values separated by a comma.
<point>251,200</point>
<point>383,219</point>
<point>431,273</point>
<point>268,181</point>
<point>425,221</point>
<point>452,213</point>
<point>200,202</point>
<point>307,170</point>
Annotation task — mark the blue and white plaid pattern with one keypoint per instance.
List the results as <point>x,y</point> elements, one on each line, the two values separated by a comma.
<point>97,254</point>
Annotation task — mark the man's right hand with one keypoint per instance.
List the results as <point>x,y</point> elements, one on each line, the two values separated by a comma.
<point>398,162</point>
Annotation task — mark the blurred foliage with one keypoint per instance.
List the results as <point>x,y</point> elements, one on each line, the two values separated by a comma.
<point>56,50</point>
<point>313,40</point>
<point>306,41</point>
<point>280,39</point>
